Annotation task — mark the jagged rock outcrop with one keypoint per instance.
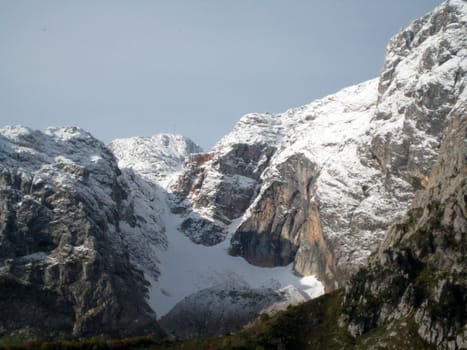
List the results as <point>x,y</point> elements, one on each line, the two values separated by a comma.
<point>66,214</point>
<point>422,79</point>
<point>224,309</point>
<point>217,187</point>
<point>369,148</point>
<point>419,272</point>
<point>316,186</point>
<point>190,291</point>
<point>285,220</point>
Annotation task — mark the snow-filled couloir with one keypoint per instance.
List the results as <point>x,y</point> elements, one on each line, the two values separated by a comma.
<point>187,269</point>
<point>283,207</point>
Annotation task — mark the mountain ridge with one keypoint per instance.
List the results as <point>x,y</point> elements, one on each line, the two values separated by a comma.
<point>362,177</point>
<point>65,266</point>
<point>314,189</point>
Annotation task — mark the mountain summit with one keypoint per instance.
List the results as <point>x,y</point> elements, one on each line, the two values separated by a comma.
<point>98,239</point>
<point>65,218</point>
<point>319,185</point>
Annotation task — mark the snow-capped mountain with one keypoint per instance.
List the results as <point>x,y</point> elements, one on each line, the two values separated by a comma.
<point>418,275</point>
<point>188,273</point>
<point>97,238</point>
<point>155,158</point>
<point>65,224</point>
<point>319,185</point>
<point>148,164</point>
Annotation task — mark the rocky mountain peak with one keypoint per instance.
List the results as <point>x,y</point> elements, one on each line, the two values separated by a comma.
<point>87,242</point>
<point>418,274</point>
<point>422,78</point>
<point>66,216</point>
<point>369,148</point>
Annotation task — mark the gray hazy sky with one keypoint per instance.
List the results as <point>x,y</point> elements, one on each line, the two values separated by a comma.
<point>194,67</point>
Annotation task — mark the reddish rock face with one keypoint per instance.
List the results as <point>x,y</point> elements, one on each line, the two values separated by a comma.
<point>319,185</point>
<point>216,188</point>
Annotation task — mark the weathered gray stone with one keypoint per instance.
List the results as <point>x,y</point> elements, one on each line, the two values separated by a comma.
<point>331,232</point>
<point>223,182</point>
<point>64,266</point>
<point>420,266</point>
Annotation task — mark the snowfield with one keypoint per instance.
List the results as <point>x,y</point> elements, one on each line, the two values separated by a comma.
<point>186,268</point>
<point>183,267</point>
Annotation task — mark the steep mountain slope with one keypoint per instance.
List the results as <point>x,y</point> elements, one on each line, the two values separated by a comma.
<point>413,292</point>
<point>316,187</point>
<point>420,270</point>
<point>65,224</point>
<point>191,280</point>
<point>319,185</point>
<point>148,165</point>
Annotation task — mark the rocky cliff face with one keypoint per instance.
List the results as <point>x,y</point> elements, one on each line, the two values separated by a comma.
<point>319,185</point>
<point>316,187</point>
<point>201,290</point>
<point>284,220</point>
<point>419,272</point>
<point>422,79</point>
<point>217,187</point>
<point>65,254</point>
